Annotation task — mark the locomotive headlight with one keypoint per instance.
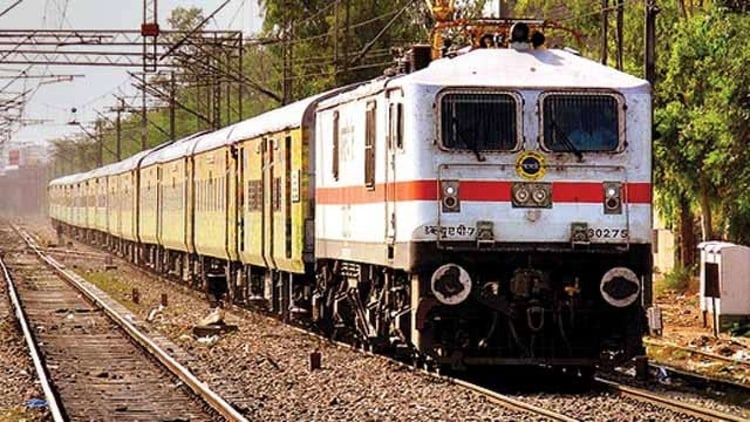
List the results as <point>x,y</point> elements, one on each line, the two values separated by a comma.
<point>521,195</point>
<point>451,284</point>
<point>620,287</point>
<point>539,196</point>
<point>531,195</point>
<point>612,198</point>
<point>449,196</point>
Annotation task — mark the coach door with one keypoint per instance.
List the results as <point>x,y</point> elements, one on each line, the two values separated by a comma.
<point>241,184</point>
<point>270,197</point>
<point>394,141</point>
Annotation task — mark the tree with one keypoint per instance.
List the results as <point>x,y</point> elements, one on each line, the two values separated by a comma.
<point>320,44</point>
<point>703,118</point>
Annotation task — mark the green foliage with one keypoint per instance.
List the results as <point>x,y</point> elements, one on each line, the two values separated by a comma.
<point>332,43</point>
<point>678,280</point>
<point>739,330</point>
<point>703,120</point>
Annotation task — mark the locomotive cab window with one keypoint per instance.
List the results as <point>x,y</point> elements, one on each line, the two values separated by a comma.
<point>479,121</point>
<point>579,123</point>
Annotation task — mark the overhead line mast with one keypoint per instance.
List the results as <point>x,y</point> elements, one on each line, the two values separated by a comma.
<point>150,34</point>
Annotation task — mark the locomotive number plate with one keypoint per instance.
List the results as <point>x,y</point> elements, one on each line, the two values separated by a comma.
<point>607,233</point>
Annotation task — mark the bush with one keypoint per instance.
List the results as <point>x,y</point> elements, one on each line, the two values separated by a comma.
<point>679,279</point>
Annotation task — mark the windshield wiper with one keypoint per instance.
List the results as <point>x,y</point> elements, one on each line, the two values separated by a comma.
<point>566,141</point>
<point>474,147</point>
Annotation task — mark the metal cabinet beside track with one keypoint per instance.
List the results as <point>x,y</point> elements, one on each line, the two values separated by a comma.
<point>725,282</point>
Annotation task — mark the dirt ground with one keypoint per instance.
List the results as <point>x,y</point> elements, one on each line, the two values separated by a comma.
<point>684,327</point>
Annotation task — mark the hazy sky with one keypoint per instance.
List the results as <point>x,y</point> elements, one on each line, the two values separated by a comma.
<point>94,91</point>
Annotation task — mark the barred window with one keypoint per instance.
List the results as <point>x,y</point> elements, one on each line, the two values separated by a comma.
<point>581,123</point>
<point>479,121</point>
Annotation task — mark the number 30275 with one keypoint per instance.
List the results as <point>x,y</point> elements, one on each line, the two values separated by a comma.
<point>608,233</point>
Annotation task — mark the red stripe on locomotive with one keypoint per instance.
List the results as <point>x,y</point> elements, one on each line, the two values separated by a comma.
<point>476,191</point>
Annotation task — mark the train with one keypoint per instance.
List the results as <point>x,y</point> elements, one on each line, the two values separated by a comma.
<point>483,206</point>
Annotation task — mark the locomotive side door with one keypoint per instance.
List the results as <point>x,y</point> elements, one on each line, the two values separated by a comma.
<point>394,141</point>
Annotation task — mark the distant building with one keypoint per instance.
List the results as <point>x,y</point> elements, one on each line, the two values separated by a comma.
<point>23,178</point>
<point>14,156</point>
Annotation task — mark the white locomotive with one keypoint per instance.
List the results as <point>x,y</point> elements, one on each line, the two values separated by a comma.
<point>503,212</point>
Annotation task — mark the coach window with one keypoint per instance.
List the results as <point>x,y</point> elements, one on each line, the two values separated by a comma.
<point>577,123</point>
<point>479,121</point>
<point>370,122</point>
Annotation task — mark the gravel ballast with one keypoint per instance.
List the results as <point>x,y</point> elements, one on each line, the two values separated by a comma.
<point>263,368</point>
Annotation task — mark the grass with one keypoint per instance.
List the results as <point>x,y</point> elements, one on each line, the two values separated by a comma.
<point>680,280</point>
<point>109,283</point>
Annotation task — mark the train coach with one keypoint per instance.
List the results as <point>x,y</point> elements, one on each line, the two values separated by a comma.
<point>490,208</point>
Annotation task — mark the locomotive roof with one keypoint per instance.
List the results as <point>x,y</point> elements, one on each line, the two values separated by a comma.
<point>525,69</point>
<point>508,68</point>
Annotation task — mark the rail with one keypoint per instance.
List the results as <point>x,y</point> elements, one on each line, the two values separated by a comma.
<point>668,345</point>
<point>198,387</point>
<point>39,366</point>
<point>661,401</point>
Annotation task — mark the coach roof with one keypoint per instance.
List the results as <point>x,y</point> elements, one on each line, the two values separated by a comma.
<point>180,148</point>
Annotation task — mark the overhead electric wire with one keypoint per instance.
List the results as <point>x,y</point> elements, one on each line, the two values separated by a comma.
<point>64,13</point>
<point>375,39</point>
<point>197,28</point>
<point>270,41</point>
<point>361,67</point>
<point>11,7</point>
<point>597,11</point>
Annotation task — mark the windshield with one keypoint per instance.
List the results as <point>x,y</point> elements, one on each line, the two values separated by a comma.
<point>478,121</point>
<point>581,123</point>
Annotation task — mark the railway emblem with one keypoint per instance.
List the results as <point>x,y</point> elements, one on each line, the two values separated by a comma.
<point>530,165</point>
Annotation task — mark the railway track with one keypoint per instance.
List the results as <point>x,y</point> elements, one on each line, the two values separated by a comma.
<point>92,363</point>
<point>559,407</point>
<point>695,351</point>
<point>662,401</point>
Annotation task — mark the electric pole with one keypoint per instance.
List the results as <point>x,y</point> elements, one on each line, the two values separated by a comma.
<point>605,28</point>
<point>144,119</point>
<point>649,61</point>
<point>99,138</point>
<point>172,94</point>
<point>620,11</point>
<point>118,128</point>
<point>150,33</point>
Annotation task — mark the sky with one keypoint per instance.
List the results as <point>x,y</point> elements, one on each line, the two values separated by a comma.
<point>93,92</point>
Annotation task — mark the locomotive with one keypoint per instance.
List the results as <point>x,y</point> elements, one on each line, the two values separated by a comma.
<point>476,206</point>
